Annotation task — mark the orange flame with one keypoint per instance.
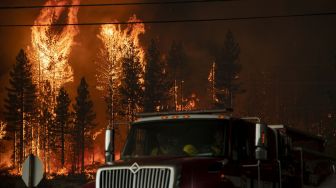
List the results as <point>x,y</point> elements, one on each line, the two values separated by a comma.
<point>62,172</point>
<point>51,46</point>
<point>117,42</point>
<point>49,53</point>
<point>3,131</point>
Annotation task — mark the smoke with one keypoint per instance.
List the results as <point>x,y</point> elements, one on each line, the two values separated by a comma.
<point>288,50</point>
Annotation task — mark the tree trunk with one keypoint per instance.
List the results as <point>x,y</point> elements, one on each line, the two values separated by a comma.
<point>83,149</point>
<point>62,142</point>
<point>14,151</point>
<point>21,145</point>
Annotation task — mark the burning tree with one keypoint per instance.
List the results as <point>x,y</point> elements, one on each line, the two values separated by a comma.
<point>62,121</point>
<point>131,88</point>
<point>3,133</point>
<point>116,45</point>
<point>225,73</point>
<point>49,53</point>
<point>84,120</point>
<point>156,94</point>
<point>19,108</point>
<point>46,121</point>
<point>177,60</point>
<point>51,45</point>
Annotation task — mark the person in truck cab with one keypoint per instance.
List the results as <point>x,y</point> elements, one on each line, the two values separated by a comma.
<point>214,149</point>
<point>165,145</point>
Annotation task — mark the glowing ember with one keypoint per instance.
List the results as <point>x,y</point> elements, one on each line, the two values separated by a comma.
<point>96,134</point>
<point>191,103</point>
<point>62,172</point>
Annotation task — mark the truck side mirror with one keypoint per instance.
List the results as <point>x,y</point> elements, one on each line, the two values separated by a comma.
<point>261,141</point>
<point>108,146</point>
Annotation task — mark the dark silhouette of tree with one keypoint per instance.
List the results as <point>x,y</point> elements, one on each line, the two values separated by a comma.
<point>156,93</point>
<point>131,87</point>
<point>177,61</point>
<point>62,120</point>
<point>226,72</point>
<point>19,105</point>
<point>84,118</point>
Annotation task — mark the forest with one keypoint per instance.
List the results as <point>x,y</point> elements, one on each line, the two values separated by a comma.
<point>41,118</point>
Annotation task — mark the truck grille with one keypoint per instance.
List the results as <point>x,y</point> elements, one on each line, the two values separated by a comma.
<point>141,177</point>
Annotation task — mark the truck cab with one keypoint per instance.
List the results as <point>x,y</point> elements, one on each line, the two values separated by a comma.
<point>199,150</point>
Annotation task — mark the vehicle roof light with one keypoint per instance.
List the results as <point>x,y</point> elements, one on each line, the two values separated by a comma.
<point>221,116</point>
<point>186,116</point>
<point>175,117</point>
<point>164,117</point>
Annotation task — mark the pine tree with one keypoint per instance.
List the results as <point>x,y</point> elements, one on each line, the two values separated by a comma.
<point>156,93</point>
<point>84,118</point>
<point>62,120</point>
<point>19,105</point>
<point>177,62</point>
<point>226,72</point>
<point>131,87</point>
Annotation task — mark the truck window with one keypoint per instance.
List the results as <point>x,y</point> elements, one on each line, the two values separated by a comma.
<point>177,138</point>
<point>242,138</point>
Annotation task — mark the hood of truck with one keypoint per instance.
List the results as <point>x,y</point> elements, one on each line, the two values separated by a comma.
<point>191,172</point>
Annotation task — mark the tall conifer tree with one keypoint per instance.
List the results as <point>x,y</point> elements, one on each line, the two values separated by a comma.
<point>84,119</point>
<point>19,106</point>
<point>131,89</point>
<point>156,92</point>
<point>62,120</point>
<point>226,72</point>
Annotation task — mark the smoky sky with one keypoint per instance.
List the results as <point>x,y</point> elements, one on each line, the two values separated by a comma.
<point>287,63</point>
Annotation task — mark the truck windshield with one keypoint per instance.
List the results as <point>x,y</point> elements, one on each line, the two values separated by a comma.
<point>177,138</point>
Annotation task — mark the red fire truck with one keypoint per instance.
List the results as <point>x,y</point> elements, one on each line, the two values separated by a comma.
<point>209,149</point>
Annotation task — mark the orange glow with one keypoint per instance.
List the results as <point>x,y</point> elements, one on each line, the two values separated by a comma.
<point>116,44</point>
<point>49,54</point>
<point>117,156</point>
<point>51,46</point>
<point>62,172</point>
<point>190,103</point>
<point>3,131</point>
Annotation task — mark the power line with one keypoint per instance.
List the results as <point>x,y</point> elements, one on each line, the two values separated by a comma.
<point>115,4</point>
<point>173,21</point>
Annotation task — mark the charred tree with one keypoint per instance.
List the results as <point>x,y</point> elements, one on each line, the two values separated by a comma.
<point>156,93</point>
<point>131,88</point>
<point>84,118</point>
<point>19,104</point>
<point>177,61</point>
<point>62,120</point>
<point>226,72</point>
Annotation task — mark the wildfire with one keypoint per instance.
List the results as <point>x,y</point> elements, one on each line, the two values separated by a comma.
<point>3,131</point>
<point>117,42</point>
<point>49,54</point>
<point>191,102</point>
<point>51,46</point>
<point>62,172</point>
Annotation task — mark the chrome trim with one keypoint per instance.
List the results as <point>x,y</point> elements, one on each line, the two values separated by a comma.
<point>144,177</point>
